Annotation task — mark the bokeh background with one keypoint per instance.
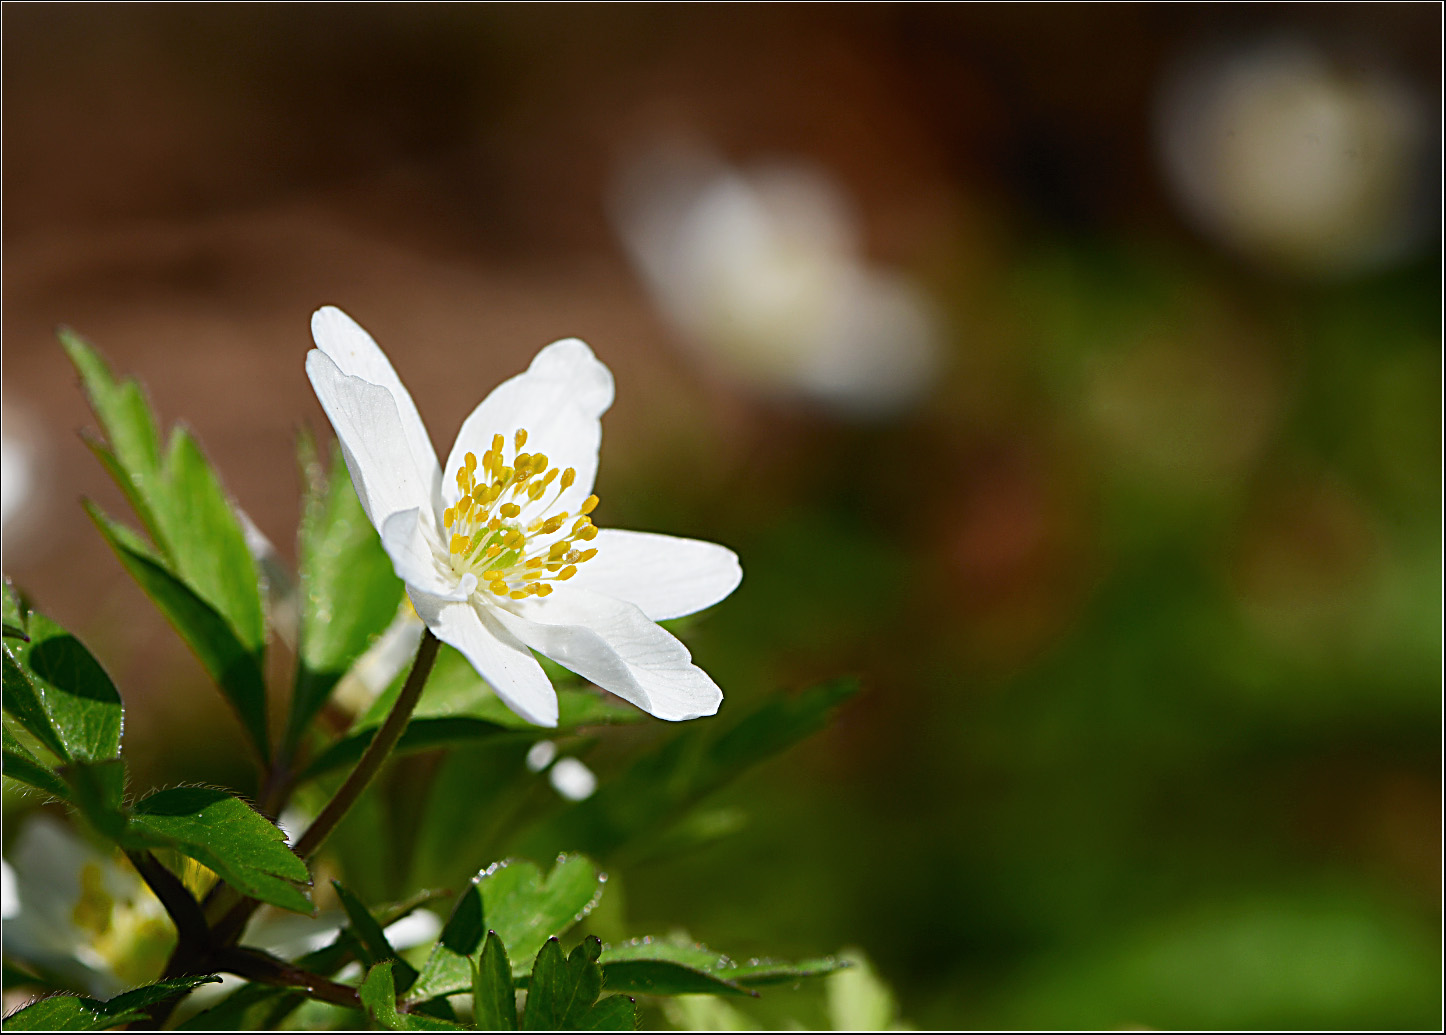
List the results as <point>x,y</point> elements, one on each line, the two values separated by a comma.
<point>1070,373</point>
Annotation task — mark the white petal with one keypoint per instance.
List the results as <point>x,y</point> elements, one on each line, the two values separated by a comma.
<point>615,645</point>
<point>507,665</point>
<point>373,440</point>
<point>354,351</point>
<point>665,576</point>
<point>558,400</point>
<point>414,557</point>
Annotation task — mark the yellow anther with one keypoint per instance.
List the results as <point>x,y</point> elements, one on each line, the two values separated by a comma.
<point>534,562</point>
<point>588,505</point>
<point>504,475</point>
<point>542,589</point>
<point>567,572</point>
<point>568,477</point>
<point>535,492</point>
<point>510,510</point>
<point>551,476</point>
<point>529,575</point>
<point>460,543</point>
<point>494,524</point>
<point>464,505</point>
<point>492,576</point>
<point>497,441</point>
<point>449,516</point>
<point>588,533</point>
<point>471,459</point>
<point>494,550</point>
<point>514,539</point>
<point>518,594</point>
<point>521,437</point>
<point>587,555</point>
<point>580,524</point>
<point>499,587</point>
<point>522,461</point>
<point>557,549</point>
<point>539,463</point>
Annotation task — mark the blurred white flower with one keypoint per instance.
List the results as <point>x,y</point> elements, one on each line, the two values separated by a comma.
<point>763,272</point>
<point>1290,158</point>
<point>22,477</point>
<point>80,913</point>
<point>540,755</point>
<point>572,779</point>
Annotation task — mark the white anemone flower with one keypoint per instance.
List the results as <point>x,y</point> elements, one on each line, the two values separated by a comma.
<point>502,558</point>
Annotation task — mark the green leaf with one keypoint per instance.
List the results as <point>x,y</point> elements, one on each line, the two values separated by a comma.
<point>97,789</point>
<point>16,613</point>
<point>379,996</point>
<point>200,544</point>
<point>525,910</point>
<point>234,668</point>
<point>349,592</point>
<point>563,994</point>
<point>59,692</point>
<point>21,764</point>
<point>225,834</point>
<point>373,939</point>
<point>612,1013</point>
<point>659,788</point>
<point>205,541</point>
<point>448,969</point>
<point>126,418</point>
<point>655,966</point>
<point>81,1013</point>
<point>178,497</point>
<point>494,998</point>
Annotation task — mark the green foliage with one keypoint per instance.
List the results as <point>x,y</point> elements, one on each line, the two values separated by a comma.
<point>563,994</point>
<point>348,589</point>
<point>81,1013</point>
<point>62,736</point>
<point>21,764</point>
<point>448,968</point>
<point>372,940</point>
<point>526,909</point>
<point>15,613</point>
<point>379,996</point>
<point>215,601</point>
<point>494,998</point>
<point>60,694</point>
<point>222,832</point>
<point>655,966</point>
<point>235,669</point>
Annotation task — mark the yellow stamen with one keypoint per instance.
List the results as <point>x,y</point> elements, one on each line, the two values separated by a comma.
<point>521,437</point>
<point>567,572</point>
<point>568,477</point>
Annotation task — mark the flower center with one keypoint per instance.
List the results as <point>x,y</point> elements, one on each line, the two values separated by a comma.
<point>501,530</point>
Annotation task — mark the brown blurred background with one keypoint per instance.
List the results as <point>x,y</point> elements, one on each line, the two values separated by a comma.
<point>1166,445</point>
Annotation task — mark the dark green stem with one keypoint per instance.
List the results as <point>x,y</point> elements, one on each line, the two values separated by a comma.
<point>376,752</point>
<point>229,927</point>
